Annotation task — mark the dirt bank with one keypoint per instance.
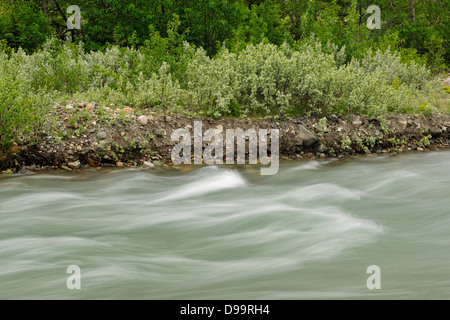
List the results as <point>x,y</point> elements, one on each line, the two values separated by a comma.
<point>89,135</point>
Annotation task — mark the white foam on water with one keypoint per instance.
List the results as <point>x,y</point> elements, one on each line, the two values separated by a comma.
<point>310,165</point>
<point>214,235</point>
<point>204,184</point>
<point>321,191</point>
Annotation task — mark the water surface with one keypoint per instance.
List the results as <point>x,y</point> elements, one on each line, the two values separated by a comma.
<point>308,232</point>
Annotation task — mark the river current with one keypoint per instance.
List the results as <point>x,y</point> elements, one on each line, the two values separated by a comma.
<point>308,232</point>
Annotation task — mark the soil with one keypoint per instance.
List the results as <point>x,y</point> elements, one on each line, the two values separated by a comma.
<point>89,135</point>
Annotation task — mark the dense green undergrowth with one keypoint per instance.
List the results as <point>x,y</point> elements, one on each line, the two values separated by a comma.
<point>260,80</point>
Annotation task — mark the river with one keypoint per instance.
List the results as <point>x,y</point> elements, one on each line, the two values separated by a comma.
<point>308,232</point>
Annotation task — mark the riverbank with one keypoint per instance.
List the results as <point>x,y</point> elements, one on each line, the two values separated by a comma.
<point>89,135</point>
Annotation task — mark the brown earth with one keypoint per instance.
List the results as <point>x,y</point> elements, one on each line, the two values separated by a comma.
<point>88,135</point>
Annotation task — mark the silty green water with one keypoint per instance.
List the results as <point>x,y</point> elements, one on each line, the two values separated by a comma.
<point>308,232</point>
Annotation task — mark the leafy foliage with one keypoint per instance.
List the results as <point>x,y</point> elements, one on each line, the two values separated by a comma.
<point>418,29</point>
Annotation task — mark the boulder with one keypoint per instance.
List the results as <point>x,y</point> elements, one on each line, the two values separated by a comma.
<point>308,138</point>
<point>402,124</point>
<point>74,164</point>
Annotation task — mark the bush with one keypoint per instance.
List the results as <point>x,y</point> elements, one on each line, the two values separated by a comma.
<point>21,113</point>
<point>267,80</point>
<point>259,80</point>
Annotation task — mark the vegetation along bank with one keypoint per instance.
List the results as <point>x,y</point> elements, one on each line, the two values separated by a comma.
<point>111,95</point>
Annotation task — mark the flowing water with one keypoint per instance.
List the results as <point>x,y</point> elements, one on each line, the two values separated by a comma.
<point>308,232</point>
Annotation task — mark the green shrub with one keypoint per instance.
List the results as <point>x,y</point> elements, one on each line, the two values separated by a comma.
<point>21,113</point>
<point>260,80</point>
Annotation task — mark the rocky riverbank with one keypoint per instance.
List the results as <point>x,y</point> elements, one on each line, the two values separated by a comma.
<point>89,135</point>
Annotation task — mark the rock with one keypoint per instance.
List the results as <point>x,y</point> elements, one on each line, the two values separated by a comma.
<point>148,164</point>
<point>306,136</point>
<point>15,148</point>
<point>110,165</point>
<point>379,151</point>
<point>142,120</point>
<point>402,124</point>
<point>435,131</point>
<point>322,155</point>
<point>69,107</point>
<point>66,168</point>
<point>160,132</point>
<point>128,109</point>
<point>90,106</point>
<point>447,123</point>
<point>101,146</point>
<point>122,133</point>
<point>101,135</point>
<point>322,148</point>
<point>79,148</point>
<point>74,164</point>
<point>119,164</point>
<point>357,121</point>
<point>419,149</point>
<point>24,170</point>
<point>93,163</point>
<point>168,118</point>
<point>157,163</point>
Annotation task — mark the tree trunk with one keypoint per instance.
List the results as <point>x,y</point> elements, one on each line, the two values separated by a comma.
<point>45,7</point>
<point>413,10</point>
